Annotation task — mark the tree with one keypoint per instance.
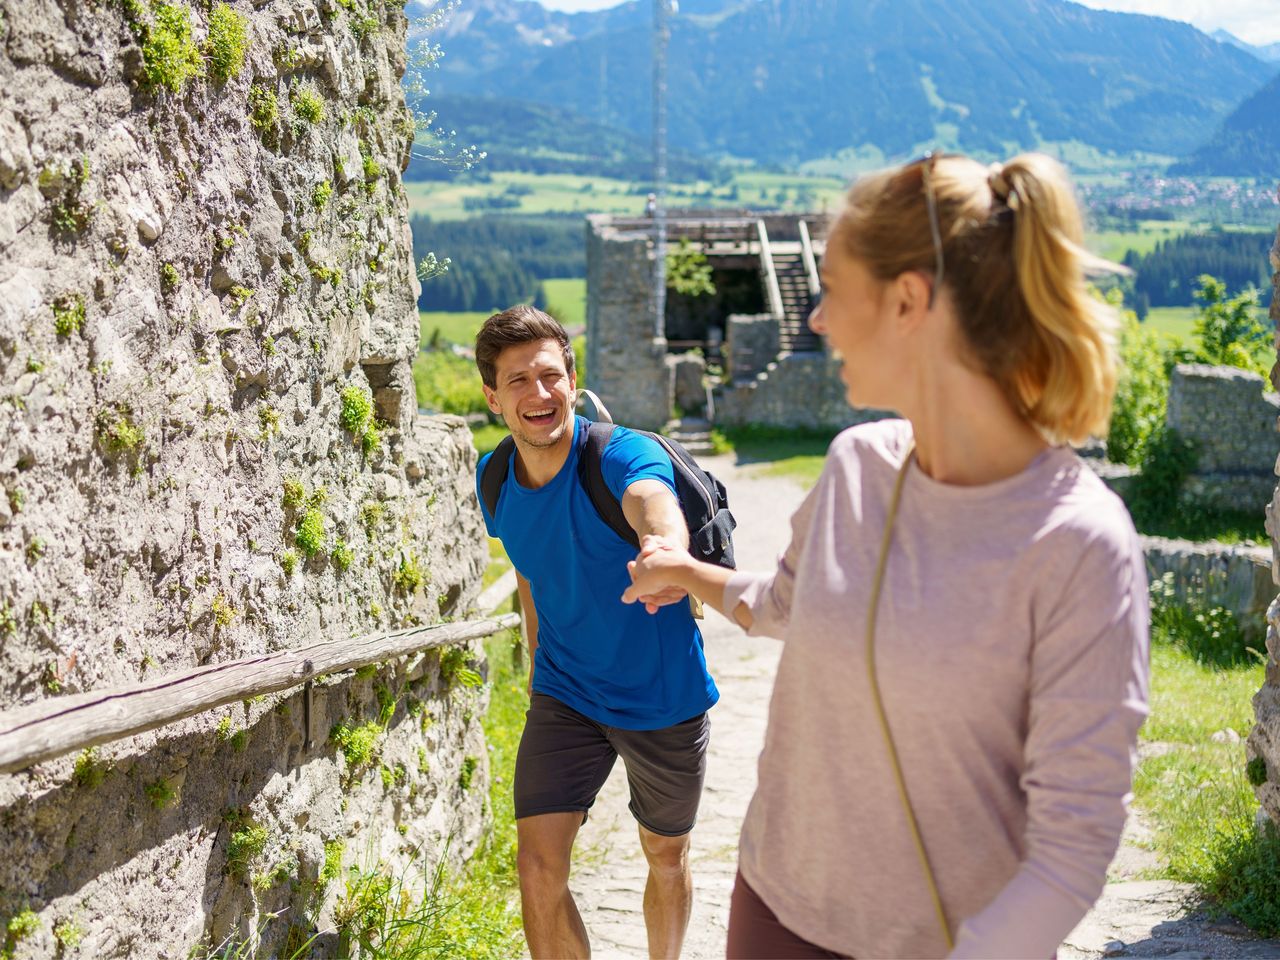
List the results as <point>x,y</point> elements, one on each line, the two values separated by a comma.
<point>1228,331</point>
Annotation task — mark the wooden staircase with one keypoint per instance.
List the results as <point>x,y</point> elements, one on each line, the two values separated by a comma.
<point>794,335</point>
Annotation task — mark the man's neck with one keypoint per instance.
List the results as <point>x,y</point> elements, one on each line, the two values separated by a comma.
<point>538,466</point>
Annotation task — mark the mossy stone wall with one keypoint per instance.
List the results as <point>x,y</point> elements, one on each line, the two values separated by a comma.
<point>210,449</point>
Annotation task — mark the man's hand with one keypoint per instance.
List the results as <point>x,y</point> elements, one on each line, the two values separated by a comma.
<point>654,573</point>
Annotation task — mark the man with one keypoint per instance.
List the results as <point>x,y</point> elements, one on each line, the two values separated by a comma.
<point>606,679</point>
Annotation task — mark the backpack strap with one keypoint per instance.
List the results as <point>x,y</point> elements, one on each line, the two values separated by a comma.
<point>495,474</point>
<point>591,475</point>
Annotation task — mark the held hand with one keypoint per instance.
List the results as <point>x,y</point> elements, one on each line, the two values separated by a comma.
<point>654,574</point>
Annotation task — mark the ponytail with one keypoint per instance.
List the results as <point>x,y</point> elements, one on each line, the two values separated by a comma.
<point>1013,242</point>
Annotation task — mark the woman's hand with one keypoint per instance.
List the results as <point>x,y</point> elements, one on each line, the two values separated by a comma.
<point>655,573</point>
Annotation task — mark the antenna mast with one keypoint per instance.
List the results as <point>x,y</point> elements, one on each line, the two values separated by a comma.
<point>661,34</point>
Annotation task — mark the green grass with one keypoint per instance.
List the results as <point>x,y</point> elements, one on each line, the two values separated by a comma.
<point>1114,244</point>
<point>488,436</point>
<point>1172,321</point>
<point>1198,525</point>
<point>795,454</point>
<point>460,328</point>
<point>1196,794</point>
<point>567,300</point>
<point>447,383</point>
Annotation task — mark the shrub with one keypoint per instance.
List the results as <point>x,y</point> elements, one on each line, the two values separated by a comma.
<point>68,314</point>
<point>357,409</point>
<point>1168,459</point>
<point>295,494</point>
<point>409,575</point>
<point>264,111</point>
<point>1141,395</point>
<point>1228,331</point>
<point>89,771</point>
<point>227,42</point>
<point>447,383</point>
<point>1256,771</point>
<point>247,841</point>
<point>321,193</point>
<point>169,54</point>
<point>688,272</point>
<point>343,555</point>
<point>118,434</point>
<point>307,104</point>
<point>169,278</point>
<point>289,562</point>
<point>1210,634</point>
<point>359,744</point>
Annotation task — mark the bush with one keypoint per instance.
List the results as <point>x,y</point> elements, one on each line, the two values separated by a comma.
<point>227,42</point>
<point>1210,635</point>
<point>1168,459</point>
<point>1228,331</point>
<point>448,383</point>
<point>1141,395</point>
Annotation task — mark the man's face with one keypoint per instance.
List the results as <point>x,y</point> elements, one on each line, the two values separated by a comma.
<point>534,393</point>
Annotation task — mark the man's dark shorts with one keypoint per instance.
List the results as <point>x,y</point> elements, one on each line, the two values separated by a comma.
<point>565,758</point>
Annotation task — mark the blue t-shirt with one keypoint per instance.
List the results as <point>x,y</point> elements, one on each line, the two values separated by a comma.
<point>611,661</point>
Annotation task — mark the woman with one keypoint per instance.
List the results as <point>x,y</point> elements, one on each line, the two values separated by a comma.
<point>951,736</point>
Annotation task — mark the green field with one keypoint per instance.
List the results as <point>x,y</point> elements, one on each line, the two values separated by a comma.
<point>1113,244</point>
<point>567,299</point>
<point>1172,321</point>
<point>453,327</point>
<point>569,193</point>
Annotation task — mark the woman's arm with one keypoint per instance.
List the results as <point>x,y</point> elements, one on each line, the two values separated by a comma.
<point>661,566</point>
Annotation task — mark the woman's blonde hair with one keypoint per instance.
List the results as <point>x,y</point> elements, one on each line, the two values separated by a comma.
<point>1014,266</point>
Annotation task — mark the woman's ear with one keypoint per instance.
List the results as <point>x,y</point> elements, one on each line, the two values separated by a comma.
<point>911,292</point>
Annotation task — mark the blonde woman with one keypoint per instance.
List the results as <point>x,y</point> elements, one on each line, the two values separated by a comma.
<point>951,736</point>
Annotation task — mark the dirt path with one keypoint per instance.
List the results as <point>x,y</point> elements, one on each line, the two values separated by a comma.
<point>1133,918</point>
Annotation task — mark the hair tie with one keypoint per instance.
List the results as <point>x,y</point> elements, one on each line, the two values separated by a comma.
<point>1000,188</point>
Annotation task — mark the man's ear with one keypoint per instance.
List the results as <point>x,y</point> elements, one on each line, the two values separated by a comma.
<point>491,397</point>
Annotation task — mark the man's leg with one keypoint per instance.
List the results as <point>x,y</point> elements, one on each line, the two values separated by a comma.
<point>552,924</point>
<point>668,894</point>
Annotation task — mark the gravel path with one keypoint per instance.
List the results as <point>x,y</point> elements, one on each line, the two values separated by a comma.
<point>1133,918</point>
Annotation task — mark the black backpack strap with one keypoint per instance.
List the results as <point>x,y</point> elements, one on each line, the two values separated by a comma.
<point>591,475</point>
<point>494,474</point>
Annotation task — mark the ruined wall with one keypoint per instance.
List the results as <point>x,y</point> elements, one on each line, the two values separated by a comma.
<point>625,361</point>
<point>1233,424</point>
<point>797,391</point>
<point>1264,740</point>
<point>211,449</point>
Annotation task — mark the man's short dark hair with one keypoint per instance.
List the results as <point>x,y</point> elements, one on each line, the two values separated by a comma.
<point>512,327</point>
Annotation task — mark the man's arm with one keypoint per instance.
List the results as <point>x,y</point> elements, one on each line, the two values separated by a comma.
<point>653,511</point>
<point>530,622</point>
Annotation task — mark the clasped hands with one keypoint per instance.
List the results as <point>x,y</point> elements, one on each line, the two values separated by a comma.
<point>653,573</point>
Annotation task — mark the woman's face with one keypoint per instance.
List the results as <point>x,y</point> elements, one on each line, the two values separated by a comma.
<point>856,316</point>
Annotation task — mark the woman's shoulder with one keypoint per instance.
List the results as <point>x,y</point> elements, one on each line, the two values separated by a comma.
<point>885,439</point>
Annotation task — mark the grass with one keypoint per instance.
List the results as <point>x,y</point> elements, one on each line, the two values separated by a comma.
<point>447,383</point>
<point>488,436</point>
<point>1229,527</point>
<point>567,300</point>
<point>1172,321</point>
<point>1196,792</point>
<point>1114,244</point>
<point>460,328</point>
<point>795,454</point>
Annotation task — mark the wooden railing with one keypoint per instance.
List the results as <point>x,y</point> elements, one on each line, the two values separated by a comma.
<point>770,273</point>
<point>61,725</point>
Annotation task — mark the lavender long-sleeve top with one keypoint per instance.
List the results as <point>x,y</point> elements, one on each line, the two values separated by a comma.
<point>1011,651</point>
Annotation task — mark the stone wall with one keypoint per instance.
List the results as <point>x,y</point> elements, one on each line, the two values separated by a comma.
<point>751,343</point>
<point>797,391</point>
<point>1233,423</point>
<point>211,450</point>
<point>1264,740</point>
<point>1212,574</point>
<point>626,361</point>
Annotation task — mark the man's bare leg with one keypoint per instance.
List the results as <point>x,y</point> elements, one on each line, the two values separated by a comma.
<point>668,894</point>
<point>552,925</point>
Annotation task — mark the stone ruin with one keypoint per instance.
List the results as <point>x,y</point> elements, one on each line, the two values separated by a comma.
<point>744,354</point>
<point>210,449</point>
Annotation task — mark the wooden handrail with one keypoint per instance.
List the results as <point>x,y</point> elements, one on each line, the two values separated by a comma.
<point>60,725</point>
<point>810,263</point>
<point>770,274</point>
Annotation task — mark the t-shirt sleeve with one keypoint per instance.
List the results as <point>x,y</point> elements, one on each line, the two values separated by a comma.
<point>1089,683</point>
<point>768,595</point>
<point>484,511</point>
<point>630,457</point>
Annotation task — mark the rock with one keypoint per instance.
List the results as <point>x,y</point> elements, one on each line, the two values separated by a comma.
<point>1226,735</point>
<point>1114,948</point>
<point>148,224</point>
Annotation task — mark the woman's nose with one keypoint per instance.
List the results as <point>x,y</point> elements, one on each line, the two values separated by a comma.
<point>817,322</point>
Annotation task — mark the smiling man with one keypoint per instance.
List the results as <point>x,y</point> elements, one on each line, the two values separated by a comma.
<point>606,679</point>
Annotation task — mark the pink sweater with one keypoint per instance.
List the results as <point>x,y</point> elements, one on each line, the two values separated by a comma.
<point>1012,656</point>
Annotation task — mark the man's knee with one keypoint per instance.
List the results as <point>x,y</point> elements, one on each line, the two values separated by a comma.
<point>545,844</point>
<point>666,855</point>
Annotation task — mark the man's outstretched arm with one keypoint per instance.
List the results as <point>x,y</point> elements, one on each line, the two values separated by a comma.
<point>653,511</point>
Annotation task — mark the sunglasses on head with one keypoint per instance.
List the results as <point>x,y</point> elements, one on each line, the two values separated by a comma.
<point>926,163</point>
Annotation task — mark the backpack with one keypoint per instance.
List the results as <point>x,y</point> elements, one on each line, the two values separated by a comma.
<point>703,498</point>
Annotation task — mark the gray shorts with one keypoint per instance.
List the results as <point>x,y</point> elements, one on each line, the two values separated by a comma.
<point>565,758</point>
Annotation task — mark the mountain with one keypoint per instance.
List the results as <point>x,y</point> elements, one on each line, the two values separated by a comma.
<point>535,138</point>
<point>1269,52</point>
<point>790,80</point>
<point>1246,145</point>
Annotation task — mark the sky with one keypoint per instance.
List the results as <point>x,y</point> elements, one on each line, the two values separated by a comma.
<point>1254,21</point>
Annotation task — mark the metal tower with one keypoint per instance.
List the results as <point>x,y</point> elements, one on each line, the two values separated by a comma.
<point>661,34</point>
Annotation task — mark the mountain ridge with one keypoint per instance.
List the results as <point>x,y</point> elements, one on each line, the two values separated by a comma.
<point>766,80</point>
